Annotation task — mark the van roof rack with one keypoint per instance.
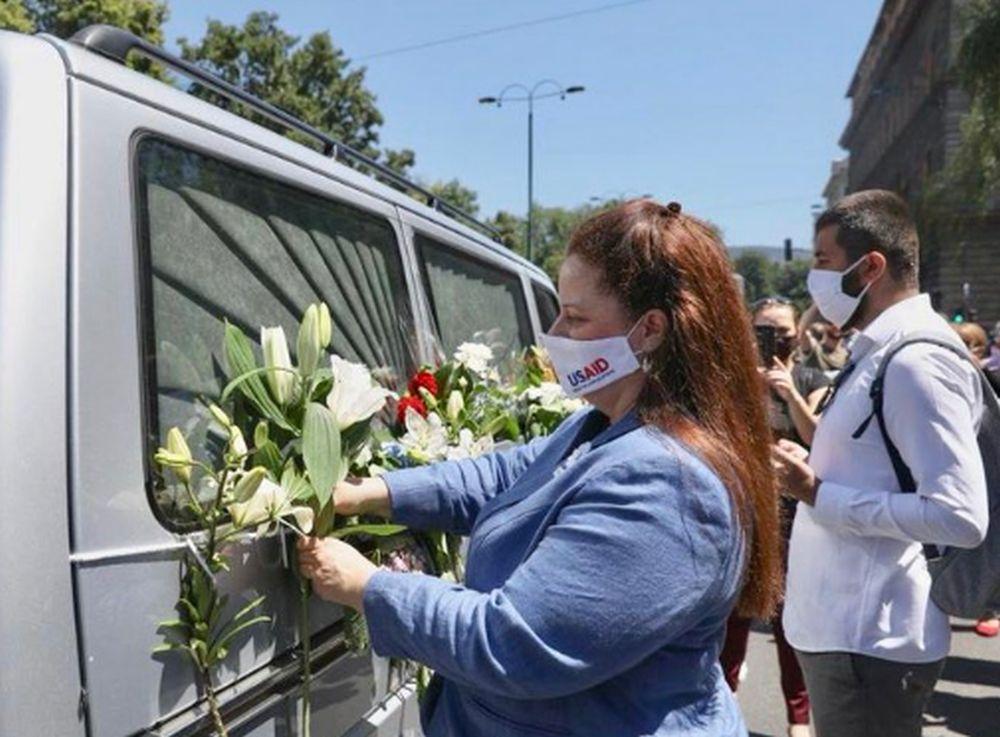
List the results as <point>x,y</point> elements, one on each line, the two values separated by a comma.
<point>116,43</point>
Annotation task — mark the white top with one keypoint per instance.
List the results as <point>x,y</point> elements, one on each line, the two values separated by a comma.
<point>857,575</point>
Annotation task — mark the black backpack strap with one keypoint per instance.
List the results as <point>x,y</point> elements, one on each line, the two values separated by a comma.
<point>877,393</point>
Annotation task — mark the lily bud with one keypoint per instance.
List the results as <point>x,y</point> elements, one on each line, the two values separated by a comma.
<point>178,448</point>
<point>220,416</point>
<point>455,405</point>
<point>429,399</point>
<point>276,357</point>
<point>249,482</point>
<point>237,444</point>
<point>325,325</point>
<point>260,434</point>
<point>310,341</point>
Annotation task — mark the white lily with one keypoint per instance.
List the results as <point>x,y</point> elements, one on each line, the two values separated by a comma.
<point>469,446</point>
<point>237,443</point>
<point>426,439</point>
<point>355,395</point>
<point>177,455</point>
<point>455,405</point>
<point>276,357</point>
<point>550,395</point>
<point>475,356</point>
<point>269,503</point>
<point>314,337</point>
<point>248,483</point>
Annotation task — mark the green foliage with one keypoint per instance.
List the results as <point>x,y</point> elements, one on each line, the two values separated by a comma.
<point>311,79</point>
<point>766,278</point>
<point>63,18</point>
<point>457,194</point>
<point>551,228</point>
<point>14,16</point>
<point>973,173</point>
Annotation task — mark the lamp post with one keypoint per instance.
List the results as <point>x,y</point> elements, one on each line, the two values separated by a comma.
<point>529,95</point>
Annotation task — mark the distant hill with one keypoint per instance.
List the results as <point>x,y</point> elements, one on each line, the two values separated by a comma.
<point>772,253</point>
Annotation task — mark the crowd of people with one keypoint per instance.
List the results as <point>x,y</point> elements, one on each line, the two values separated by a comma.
<point>806,470</point>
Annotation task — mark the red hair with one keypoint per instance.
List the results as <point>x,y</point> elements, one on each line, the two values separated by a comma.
<point>702,385</point>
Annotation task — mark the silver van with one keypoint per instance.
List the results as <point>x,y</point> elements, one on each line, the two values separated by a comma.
<point>134,217</point>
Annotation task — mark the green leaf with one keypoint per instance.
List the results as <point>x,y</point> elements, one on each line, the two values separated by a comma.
<point>228,637</point>
<point>375,530</point>
<point>167,647</point>
<point>239,356</point>
<point>248,608</point>
<point>321,450</point>
<point>269,456</point>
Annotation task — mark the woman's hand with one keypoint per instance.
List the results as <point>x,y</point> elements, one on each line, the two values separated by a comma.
<point>362,496</point>
<point>338,572</point>
<point>779,379</point>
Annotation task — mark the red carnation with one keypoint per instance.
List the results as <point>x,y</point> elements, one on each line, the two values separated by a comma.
<point>414,403</point>
<point>423,380</point>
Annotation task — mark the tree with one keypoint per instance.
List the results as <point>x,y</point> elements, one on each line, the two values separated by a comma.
<point>63,18</point>
<point>790,281</point>
<point>312,79</point>
<point>759,274</point>
<point>15,17</point>
<point>457,194</point>
<point>975,169</point>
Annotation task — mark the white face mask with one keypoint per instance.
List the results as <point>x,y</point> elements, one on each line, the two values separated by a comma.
<point>827,291</point>
<point>584,366</point>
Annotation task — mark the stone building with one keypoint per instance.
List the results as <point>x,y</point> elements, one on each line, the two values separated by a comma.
<point>906,109</point>
<point>836,185</point>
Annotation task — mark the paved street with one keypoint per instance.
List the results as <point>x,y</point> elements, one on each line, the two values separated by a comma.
<point>966,703</point>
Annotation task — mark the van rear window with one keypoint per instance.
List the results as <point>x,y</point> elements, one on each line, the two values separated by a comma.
<point>473,300</point>
<point>218,241</point>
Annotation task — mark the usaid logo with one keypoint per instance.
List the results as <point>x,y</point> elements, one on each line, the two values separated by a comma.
<point>589,372</point>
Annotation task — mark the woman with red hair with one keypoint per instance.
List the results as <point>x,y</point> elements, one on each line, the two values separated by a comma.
<point>603,560</point>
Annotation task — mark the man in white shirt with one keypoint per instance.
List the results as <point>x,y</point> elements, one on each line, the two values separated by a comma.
<point>858,610</point>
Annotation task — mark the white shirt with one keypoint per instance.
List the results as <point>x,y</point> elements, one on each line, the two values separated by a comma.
<point>857,575</point>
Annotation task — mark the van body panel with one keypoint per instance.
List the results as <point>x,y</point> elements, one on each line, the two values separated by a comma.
<point>127,560</point>
<point>40,689</point>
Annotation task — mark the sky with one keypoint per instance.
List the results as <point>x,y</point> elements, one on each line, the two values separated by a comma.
<point>731,107</point>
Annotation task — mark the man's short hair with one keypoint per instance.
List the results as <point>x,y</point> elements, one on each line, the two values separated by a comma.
<point>876,220</point>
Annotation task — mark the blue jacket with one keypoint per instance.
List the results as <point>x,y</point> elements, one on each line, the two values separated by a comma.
<point>602,565</point>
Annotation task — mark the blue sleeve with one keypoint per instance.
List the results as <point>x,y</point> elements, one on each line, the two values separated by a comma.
<point>629,566</point>
<point>447,496</point>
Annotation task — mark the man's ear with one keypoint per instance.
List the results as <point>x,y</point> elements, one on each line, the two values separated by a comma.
<point>875,265</point>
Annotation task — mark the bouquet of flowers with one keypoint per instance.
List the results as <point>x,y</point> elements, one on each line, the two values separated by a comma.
<point>309,422</point>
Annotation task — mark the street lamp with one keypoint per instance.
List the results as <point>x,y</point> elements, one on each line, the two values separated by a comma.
<point>618,195</point>
<point>529,96</point>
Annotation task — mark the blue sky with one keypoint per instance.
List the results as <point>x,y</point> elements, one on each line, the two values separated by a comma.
<point>731,107</point>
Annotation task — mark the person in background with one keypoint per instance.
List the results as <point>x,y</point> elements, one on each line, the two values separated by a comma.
<point>993,351</point>
<point>820,343</point>
<point>976,340</point>
<point>792,392</point>
<point>871,641</point>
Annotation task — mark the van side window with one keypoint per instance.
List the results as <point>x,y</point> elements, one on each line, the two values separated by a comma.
<point>473,300</point>
<point>219,242</point>
<point>548,306</point>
